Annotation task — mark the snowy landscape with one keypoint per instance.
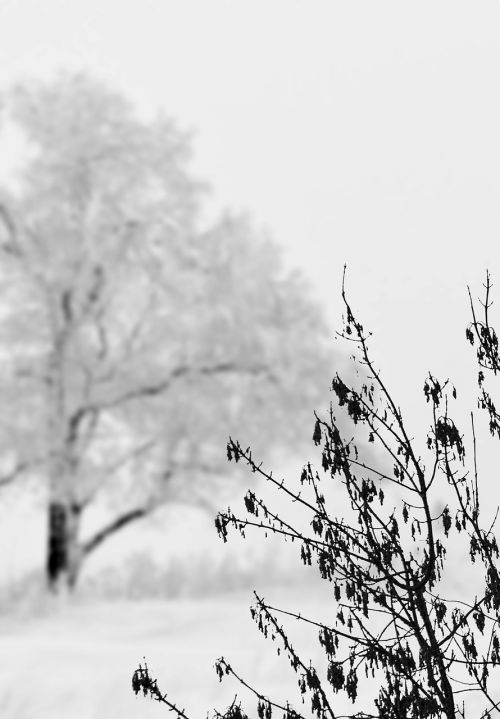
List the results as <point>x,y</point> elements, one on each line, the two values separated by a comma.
<point>267,223</point>
<point>79,662</point>
<point>74,656</point>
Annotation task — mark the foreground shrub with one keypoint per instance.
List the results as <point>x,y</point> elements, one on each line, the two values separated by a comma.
<point>390,618</point>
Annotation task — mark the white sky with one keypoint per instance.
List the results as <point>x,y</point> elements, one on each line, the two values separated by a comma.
<point>355,131</point>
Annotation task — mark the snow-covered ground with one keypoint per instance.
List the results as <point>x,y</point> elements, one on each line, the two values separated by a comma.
<point>75,660</point>
<point>78,662</point>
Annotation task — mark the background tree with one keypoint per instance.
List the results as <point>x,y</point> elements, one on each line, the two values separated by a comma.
<point>392,618</point>
<point>133,336</point>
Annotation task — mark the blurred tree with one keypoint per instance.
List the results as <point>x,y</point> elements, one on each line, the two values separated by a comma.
<point>135,339</point>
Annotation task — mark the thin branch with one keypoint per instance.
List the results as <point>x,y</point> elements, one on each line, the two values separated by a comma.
<point>20,468</point>
<point>115,525</point>
<point>476,491</point>
<point>157,388</point>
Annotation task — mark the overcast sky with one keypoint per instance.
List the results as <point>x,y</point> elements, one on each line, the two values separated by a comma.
<point>356,131</point>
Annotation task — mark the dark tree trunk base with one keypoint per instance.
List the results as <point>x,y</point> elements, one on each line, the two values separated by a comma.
<point>62,551</point>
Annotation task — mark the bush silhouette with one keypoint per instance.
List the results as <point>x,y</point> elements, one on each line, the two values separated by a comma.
<point>391,620</point>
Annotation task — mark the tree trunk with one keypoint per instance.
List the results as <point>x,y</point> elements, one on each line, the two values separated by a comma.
<point>63,550</point>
